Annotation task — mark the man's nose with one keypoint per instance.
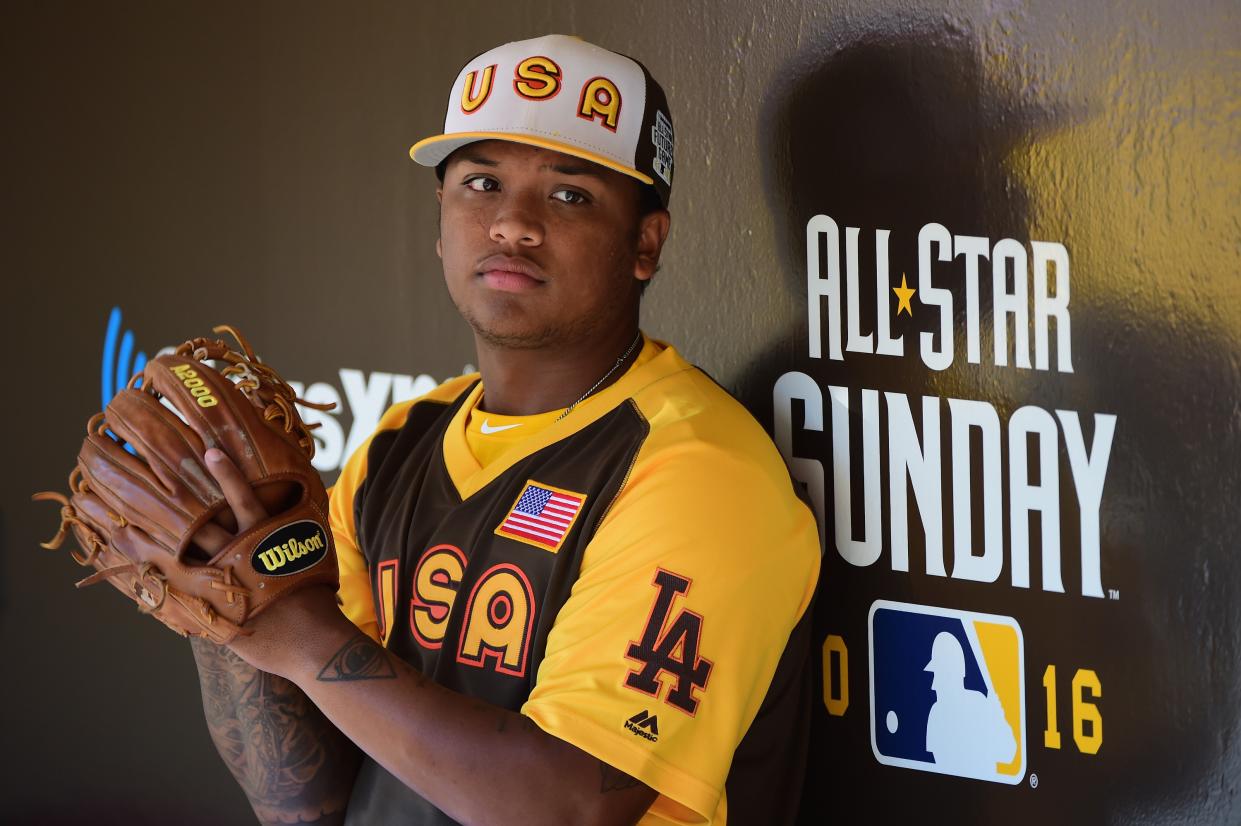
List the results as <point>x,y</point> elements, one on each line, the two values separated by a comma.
<point>517,222</point>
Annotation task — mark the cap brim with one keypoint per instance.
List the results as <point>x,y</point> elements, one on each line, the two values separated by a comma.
<point>431,151</point>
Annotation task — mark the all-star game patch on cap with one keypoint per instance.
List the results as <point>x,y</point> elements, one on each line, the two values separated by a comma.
<point>561,93</point>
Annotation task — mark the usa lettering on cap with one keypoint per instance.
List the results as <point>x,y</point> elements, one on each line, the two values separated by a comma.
<point>562,93</point>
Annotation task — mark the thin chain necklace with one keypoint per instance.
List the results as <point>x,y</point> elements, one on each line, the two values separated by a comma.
<point>625,355</point>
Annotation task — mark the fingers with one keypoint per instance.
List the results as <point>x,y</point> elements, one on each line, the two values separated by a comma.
<point>212,538</point>
<point>138,546</point>
<point>96,513</point>
<point>237,491</point>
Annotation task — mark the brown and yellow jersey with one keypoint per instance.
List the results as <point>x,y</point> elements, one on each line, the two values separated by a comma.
<point>632,577</point>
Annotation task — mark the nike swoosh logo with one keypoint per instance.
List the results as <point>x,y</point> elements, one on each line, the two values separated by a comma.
<point>486,428</point>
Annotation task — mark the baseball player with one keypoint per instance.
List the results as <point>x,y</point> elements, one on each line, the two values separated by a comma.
<point>574,585</point>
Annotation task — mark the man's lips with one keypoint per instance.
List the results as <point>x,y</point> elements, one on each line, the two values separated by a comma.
<point>501,272</point>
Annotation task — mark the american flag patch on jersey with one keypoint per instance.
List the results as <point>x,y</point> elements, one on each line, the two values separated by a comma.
<point>542,516</point>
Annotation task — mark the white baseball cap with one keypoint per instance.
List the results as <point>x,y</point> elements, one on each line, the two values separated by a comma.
<point>562,93</point>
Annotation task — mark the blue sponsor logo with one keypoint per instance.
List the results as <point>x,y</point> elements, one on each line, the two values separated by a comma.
<point>120,362</point>
<point>947,691</point>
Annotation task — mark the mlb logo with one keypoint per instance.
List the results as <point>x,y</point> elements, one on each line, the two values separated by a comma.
<point>947,691</point>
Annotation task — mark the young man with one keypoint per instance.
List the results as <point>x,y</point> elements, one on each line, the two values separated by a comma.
<point>573,587</point>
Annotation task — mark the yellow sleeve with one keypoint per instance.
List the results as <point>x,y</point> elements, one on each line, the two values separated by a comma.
<point>354,593</point>
<point>658,662</point>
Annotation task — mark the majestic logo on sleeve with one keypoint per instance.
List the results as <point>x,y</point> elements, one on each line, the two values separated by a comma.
<point>670,648</point>
<point>947,691</point>
<point>644,725</point>
<point>542,516</point>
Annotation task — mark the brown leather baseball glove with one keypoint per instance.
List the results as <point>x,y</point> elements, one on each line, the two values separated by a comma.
<point>142,516</point>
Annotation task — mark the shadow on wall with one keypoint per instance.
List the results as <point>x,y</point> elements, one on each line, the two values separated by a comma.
<point>891,131</point>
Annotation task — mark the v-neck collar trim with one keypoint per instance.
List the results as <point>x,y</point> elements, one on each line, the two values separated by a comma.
<point>469,477</point>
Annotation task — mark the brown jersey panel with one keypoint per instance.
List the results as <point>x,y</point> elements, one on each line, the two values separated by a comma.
<point>476,590</point>
<point>765,781</point>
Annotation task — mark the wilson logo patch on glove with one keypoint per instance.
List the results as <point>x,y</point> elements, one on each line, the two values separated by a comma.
<point>290,549</point>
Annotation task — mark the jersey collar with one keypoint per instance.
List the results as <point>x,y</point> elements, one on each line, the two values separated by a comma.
<point>469,477</point>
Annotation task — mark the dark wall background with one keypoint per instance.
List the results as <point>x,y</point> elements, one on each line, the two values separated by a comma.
<point>192,163</point>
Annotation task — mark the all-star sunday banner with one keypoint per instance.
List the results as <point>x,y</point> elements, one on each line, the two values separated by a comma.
<point>991,635</point>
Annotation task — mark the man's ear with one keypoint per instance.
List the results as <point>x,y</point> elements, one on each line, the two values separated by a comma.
<point>652,232</point>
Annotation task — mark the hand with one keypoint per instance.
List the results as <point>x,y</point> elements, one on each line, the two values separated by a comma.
<point>274,635</point>
<point>247,511</point>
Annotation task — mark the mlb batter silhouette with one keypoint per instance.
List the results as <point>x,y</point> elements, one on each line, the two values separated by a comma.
<point>966,729</point>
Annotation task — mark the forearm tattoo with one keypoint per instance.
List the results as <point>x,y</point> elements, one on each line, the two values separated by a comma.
<point>359,659</point>
<point>292,763</point>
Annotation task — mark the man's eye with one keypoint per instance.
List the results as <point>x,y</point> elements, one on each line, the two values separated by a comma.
<point>570,196</point>
<point>481,184</point>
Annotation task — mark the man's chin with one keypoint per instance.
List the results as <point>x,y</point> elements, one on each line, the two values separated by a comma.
<point>512,341</point>
<point>509,335</point>
<point>508,326</point>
